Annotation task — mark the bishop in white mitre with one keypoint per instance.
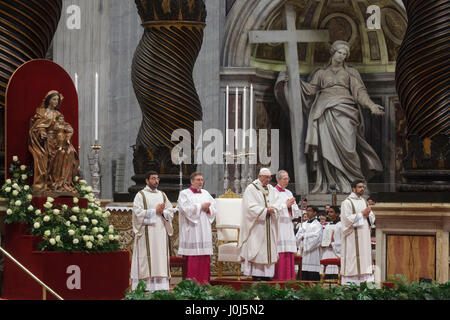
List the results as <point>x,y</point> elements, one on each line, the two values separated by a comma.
<point>309,238</point>
<point>357,218</point>
<point>197,213</point>
<point>152,226</point>
<point>286,244</point>
<point>258,236</point>
<point>331,241</point>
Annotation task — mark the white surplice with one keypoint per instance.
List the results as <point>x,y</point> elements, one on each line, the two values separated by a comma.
<point>150,260</point>
<point>309,238</point>
<point>286,236</point>
<point>259,231</point>
<point>194,224</point>
<point>331,245</point>
<point>356,259</point>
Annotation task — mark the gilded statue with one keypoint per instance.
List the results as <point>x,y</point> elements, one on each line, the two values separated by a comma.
<point>335,139</point>
<point>55,159</point>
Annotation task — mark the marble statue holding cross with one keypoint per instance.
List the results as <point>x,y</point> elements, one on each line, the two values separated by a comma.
<point>290,37</point>
<point>335,139</point>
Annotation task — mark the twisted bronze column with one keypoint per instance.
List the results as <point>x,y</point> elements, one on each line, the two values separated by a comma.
<point>161,73</point>
<point>27,28</point>
<point>423,88</point>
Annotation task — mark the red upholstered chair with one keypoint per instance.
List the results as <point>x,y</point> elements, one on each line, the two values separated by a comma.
<point>298,262</point>
<point>331,262</point>
<point>179,262</point>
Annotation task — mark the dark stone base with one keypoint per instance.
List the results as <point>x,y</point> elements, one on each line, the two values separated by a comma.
<point>169,183</point>
<point>425,180</point>
<point>411,196</point>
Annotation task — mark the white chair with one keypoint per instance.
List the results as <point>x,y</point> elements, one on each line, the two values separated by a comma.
<point>228,221</point>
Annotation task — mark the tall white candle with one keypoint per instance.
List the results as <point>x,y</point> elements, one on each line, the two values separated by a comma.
<point>244,109</point>
<point>227,104</point>
<point>76,82</point>
<point>251,117</point>
<point>96,107</point>
<point>236,127</point>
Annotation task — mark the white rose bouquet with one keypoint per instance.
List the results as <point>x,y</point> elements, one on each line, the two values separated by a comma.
<point>18,193</point>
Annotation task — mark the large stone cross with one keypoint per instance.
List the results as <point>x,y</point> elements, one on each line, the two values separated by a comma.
<point>290,37</point>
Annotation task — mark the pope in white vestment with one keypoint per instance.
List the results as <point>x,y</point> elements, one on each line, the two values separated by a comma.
<point>356,260</point>
<point>197,213</point>
<point>259,228</point>
<point>309,237</point>
<point>152,226</point>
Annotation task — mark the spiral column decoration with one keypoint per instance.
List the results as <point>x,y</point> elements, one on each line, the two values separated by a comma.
<point>27,28</point>
<point>422,73</point>
<point>161,73</point>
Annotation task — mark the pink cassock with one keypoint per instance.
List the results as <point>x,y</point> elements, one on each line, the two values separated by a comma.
<point>285,267</point>
<point>198,268</point>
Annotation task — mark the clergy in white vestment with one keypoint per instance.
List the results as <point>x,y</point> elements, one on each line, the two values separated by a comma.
<point>197,213</point>
<point>152,226</point>
<point>286,244</point>
<point>357,218</point>
<point>258,236</point>
<point>309,237</point>
<point>331,241</point>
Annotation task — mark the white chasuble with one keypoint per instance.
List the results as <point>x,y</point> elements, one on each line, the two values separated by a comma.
<point>151,237</point>
<point>356,257</point>
<point>259,231</point>
<point>195,225</point>
<point>309,238</point>
<point>286,236</point>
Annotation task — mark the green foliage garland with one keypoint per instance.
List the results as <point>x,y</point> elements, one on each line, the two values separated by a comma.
<point>189,290</point>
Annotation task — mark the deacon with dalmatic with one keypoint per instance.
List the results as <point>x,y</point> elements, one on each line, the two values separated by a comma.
<point>197,213</point>
<point>152,226</point>
<point>331,241</point>
<point>286,245</point>
<point>309,237</point>
<point>258,236</point>
<point>357,218</point>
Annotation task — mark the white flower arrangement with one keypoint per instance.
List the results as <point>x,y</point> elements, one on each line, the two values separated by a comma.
<point>61,226</point>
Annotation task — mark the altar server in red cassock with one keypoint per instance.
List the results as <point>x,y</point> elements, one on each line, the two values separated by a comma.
<point>286,244</point>
<point>197,213</point>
